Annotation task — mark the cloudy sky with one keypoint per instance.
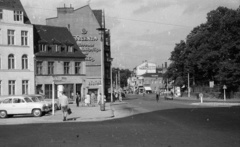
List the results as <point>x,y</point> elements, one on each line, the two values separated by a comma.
<point>140,29</point>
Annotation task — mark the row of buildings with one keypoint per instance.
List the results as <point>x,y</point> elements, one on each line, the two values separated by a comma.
<point>147,77</point>
<point>70,50</point>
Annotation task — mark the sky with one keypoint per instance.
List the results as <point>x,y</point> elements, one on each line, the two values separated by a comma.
<point>140,29</point>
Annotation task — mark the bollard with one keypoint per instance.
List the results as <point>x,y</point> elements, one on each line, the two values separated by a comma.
<point>201,97</point>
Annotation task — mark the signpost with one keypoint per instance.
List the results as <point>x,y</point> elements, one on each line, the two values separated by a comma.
<point>224,88</point>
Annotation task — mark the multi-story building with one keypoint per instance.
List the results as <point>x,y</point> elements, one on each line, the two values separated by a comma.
<point>147,76</point>
<point>16,50</point>
<point>84,24</point>
<point>59,61</point>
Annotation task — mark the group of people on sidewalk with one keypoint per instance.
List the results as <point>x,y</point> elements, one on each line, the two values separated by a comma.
<point>89,100</point>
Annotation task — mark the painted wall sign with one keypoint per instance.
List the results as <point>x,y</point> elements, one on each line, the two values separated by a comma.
<point>94,82</point>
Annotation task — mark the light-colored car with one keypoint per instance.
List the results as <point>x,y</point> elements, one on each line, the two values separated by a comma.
<point>19,105</point>
<point>48,102</point>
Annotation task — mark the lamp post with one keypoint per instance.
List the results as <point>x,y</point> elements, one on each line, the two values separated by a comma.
<point>101,30</point>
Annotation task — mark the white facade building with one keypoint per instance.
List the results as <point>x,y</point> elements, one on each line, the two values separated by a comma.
<point>16,50</point>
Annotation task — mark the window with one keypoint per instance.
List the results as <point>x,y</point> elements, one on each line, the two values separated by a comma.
<point>42,47</point>
<point>77,67</point>
<point>0,87</point>
<point>48,90</point>
<point>50,68</point>
<point>11,87</point>
<point>1,14</point>
<point>18,15</point>
<point>24,37</point>
<point>25,87</point>
<point>7,101</point>
<point>70,48</point>
<point>24,62</point>
<point>66,67</point>
<point>11,61</point>
<point>10,37</point>
<point>39,67</point>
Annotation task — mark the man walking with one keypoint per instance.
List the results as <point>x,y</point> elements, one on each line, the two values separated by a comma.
<point>77,99</point>
<point>63,100</point>
<point>157,94</point>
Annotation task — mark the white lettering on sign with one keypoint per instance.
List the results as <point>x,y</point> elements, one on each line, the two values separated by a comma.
<point>89,59</point>
<point>79,38</point>
<point>94,83</point>
<point>90,50</point>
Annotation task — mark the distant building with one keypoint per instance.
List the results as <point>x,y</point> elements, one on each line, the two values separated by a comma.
<point>58,60</point>
<point>16,50</point>
<point>147,76</point>
<point>83,24</point>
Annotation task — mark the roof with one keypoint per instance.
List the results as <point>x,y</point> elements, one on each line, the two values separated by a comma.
<point>98,15</point>
<point>152,75</point>
<point>15,5</point>
<point>55,35</point>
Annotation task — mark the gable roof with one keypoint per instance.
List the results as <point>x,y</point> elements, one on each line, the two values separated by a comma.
<point>15,5</point>
<point>98,15</point>
<point>55,35</point>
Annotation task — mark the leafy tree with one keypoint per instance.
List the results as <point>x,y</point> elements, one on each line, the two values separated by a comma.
<point>211,51</point>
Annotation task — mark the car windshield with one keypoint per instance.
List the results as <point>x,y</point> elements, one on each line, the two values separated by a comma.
<point>35,99</point>
<point>40,98</point>
<point>28,100</point>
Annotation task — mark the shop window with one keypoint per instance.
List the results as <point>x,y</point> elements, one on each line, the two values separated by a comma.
<point>48,90</point>
<point>11,61</point>
<point>24,62</point>
<point>11,87</point>
<point>25,87</point>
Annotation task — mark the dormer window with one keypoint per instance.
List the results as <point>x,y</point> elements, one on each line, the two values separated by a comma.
<point>70,49</point>
<point>18,15</point>
<point>1,14</point>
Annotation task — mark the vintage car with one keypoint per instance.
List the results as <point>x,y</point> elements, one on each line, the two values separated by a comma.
<point>48,102</point>
<point>19,105</point>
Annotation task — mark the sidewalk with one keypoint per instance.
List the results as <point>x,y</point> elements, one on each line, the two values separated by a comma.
<point>79,114</point>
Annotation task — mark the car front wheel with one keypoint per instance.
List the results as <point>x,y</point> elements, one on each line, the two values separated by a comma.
<point>3,114</point>
<point>37,112</point>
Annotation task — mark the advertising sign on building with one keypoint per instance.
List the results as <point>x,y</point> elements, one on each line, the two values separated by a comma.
<point>146,68</point>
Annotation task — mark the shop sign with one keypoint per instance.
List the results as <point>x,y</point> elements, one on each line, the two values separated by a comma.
<point>94,83</point>
<point>59,79</point>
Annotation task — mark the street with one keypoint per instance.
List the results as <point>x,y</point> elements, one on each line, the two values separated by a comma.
<point>140,122</point>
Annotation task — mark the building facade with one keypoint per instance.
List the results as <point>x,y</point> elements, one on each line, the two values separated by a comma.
<point>84,23</point>
<point>58,60</point>
<point>16,50</point>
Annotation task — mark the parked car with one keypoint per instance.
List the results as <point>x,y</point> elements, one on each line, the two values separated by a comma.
<point>16,105</point>
<point>43,99</point>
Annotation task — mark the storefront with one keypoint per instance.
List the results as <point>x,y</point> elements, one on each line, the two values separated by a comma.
<point>71,84</point>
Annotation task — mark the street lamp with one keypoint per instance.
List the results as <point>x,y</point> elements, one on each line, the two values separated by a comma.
<point>101,31</point>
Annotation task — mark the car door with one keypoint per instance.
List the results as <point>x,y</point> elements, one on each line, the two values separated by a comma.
<point>7,105</point>
<point>19,106</point>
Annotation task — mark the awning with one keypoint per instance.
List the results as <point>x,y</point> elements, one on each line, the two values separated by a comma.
<point>147,88</point>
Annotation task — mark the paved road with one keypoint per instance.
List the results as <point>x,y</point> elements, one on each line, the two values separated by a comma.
<point>141,123</point>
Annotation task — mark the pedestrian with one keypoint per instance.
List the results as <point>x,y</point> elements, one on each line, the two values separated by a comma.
<point>92,98</point>
<point>99,99</point>
<point>87,100</point>
<point>63,99</point>
<point>157,95</point>
<point>77,99</point>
